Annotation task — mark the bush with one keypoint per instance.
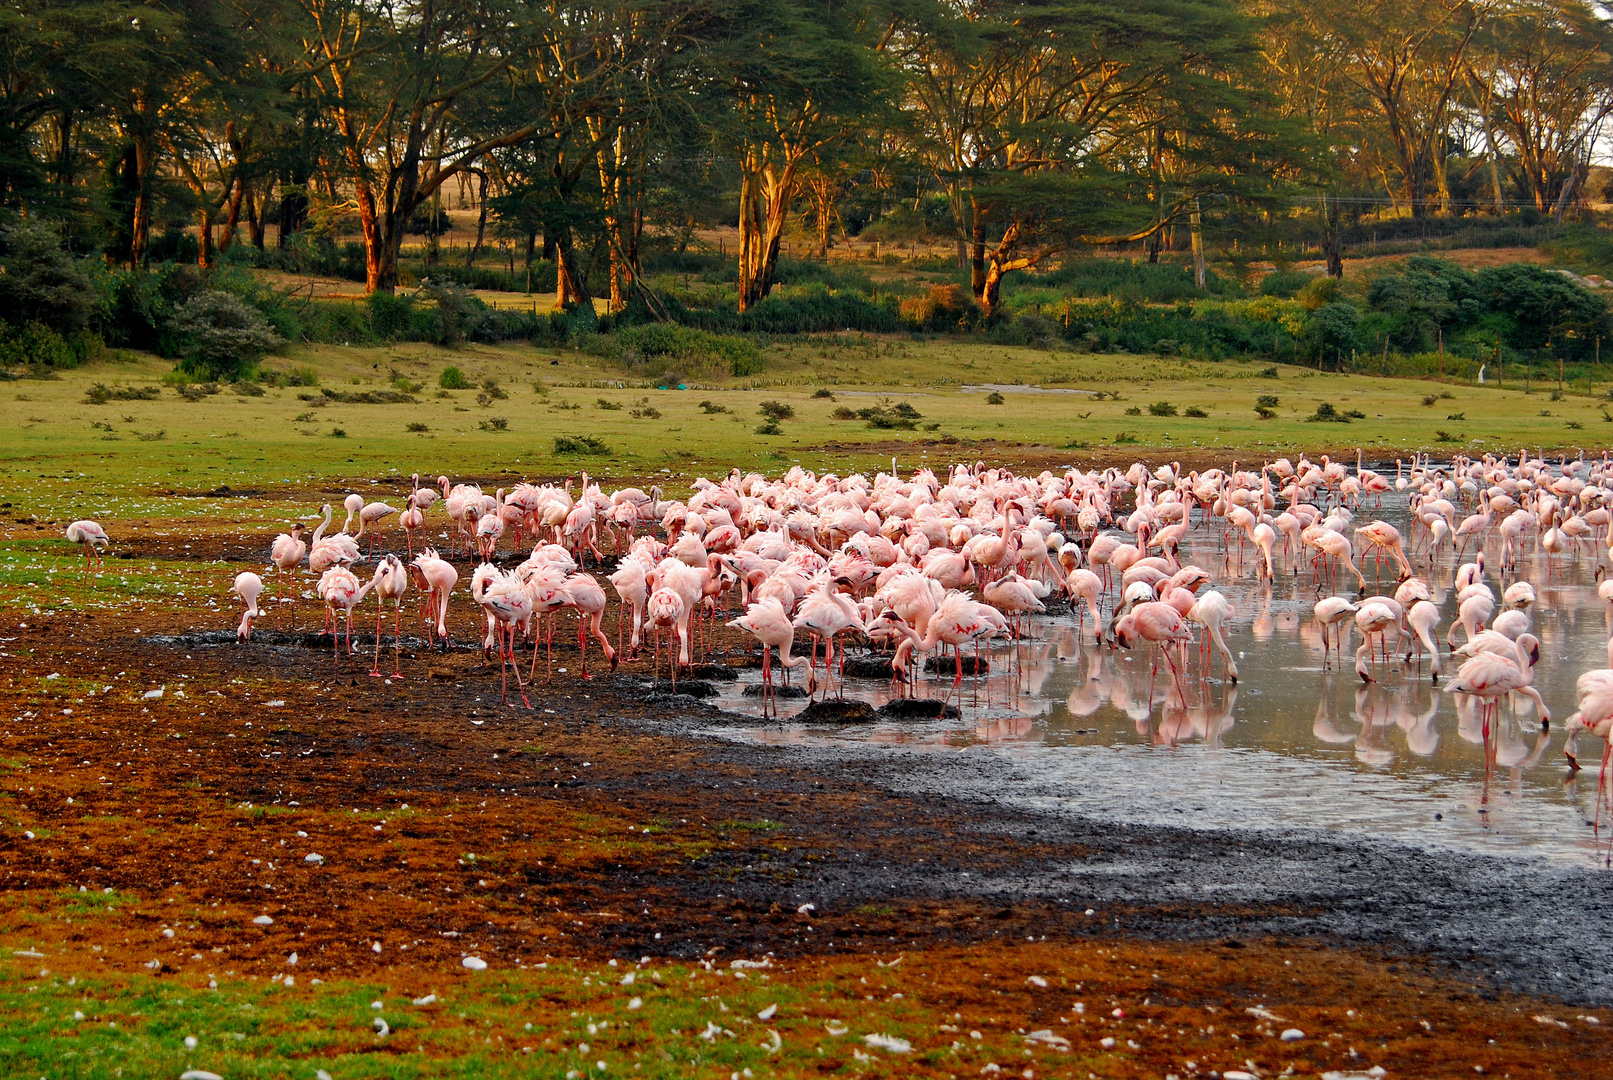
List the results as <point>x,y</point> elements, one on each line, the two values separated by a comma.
<point>39,282</point>
<point>1162,408</point>
<point>995,398</point>
<point>415,425</point>
<point>579,444</point>
<point>1330,331</point>
<point>658,350</point>
<point>453,379</point>
<point>942,307</point>
<point>100,393</point>
<point>1195,412</point>
<point>769,427</point>
<point>36,345</point>
<point>776,410</point>
<point>224,336</point>
<point>1284,283</point>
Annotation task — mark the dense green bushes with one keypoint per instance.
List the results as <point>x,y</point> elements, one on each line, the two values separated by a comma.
<point>668,352</point>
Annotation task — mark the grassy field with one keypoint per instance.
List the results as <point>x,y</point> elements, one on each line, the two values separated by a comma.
<point>121,451</point>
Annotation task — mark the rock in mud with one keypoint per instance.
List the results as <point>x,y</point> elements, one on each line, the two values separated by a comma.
<point>837,712</point>
<point>867,667</point>
<point>918,709</point>
<point>972,665</point>
<point>755,690</point>
<point>720,672</point>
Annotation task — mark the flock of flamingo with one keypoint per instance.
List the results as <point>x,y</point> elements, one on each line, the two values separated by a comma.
<point>920,564</point>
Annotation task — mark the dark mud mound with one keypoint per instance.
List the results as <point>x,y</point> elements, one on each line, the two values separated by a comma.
<point>837,712</point>
<point>972,665</point>
<point>918,709</point>
<point>867,667</point>
<point>755,690</point>
<point>707,672</point>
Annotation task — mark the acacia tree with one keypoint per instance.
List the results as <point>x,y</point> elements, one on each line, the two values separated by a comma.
<point>1550,64</point>
<point>397,80</point>
<point>796,78</point>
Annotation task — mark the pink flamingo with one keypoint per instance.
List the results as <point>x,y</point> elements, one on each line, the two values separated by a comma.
<point>248,586</point>
<point>956,621</point>
<point>633,591</point>
<point>389,582</point>
<point>1422,618</point>
<point>1385,537</point>
<point>1211,611</point>
<point>411,521</point>
<point>372,514</point>
<point>287,554</point>
<point>665,610</point>
<point>767,621</point>
<point>435,577</point>
<point>1595,715</point>
<point>510,609</point>
<point>1159,624</point>
<point>341,592</point>
<point>1489,677</point>
<point>589,600</point>
<point>92,536</point>
<point>826,614</point>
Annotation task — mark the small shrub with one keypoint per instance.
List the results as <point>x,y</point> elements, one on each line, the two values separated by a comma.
<point>100,393</point>
<point>646,412</point>
<point>579,444</point>
<point>823,392</point>
<point>1162,408</point>
<point>843,412</point>
<point>415,425</point>
<point>1325,413</point>
<point>1575,425</point>
<point>776,410</point>
<point>1122,437</point>
<point>1442,435</point>
<point>406,385</point>
<point>708,408</point>
<point>492,389</point>
<point>452,378</point>
<point>494,423</point>
<point>608,406</point>
<point>1266,401</point>
<point>769,427</point>
<point>338,433</point>
<point>995,398</point>
<point>196,391</point>
<point>1265,412</point>
<point>1134,411</point>
<point>1543,412</point>
<point>151,436</point>
<point>540,388</point>
<point>1446,395</point>
<point>1457,416</point>
<point>1355,414</point>
<point>1195,412</point>
<point>243,388</point>
<point>1268,372</point>
<point>1556,395</point>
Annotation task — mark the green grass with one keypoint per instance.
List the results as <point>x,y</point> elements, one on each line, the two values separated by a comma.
<point>65,462</point>
<point>554,1019</point>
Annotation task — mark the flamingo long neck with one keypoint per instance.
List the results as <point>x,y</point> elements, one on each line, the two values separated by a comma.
<point>323,525</point>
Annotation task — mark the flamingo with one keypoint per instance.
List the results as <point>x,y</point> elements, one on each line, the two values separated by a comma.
<point>826,614</point>
<point>509,609</point>
<point>372,514</point>
<point>435,577</point>
<point>1210,611</point>
<point>1158,624</point>
<point>287,553</point>
<point>1489,677</point>
<point>341,592</point>
<point>588,599</point>
<point>93,537</point>
<point>389,582</point>
<point>665,610</point>
<point>768,622</point>
<point>248,586</point>
<point>1422,618</point>
<point>1332,613</point>
<point>1385,537</point>
<point>411,521</point>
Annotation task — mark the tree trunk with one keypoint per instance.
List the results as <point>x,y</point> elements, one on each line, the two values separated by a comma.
<point>232,219</point>
<point>481,226</point>
<point>293,211</point>
<point>140,230</point>
<point>1332,242</point>
<point>1197,223</point>
<point>204,249</point>
<point>764,208</point>
<point>977,251</point>
<point>254,220</point>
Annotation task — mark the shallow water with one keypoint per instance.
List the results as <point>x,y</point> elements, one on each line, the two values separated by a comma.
<point>1290,746</point>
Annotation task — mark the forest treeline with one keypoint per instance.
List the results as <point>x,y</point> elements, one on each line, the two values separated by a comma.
<point>590,137</point>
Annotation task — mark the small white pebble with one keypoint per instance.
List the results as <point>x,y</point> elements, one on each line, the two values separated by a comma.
<point>475,963</point>
<point>1107,1043</point>
<point>313,857</point>
<point>191,1042</point>
<point>1292,1035</point>
<point>636,1003</point>
<point>263,920</point>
